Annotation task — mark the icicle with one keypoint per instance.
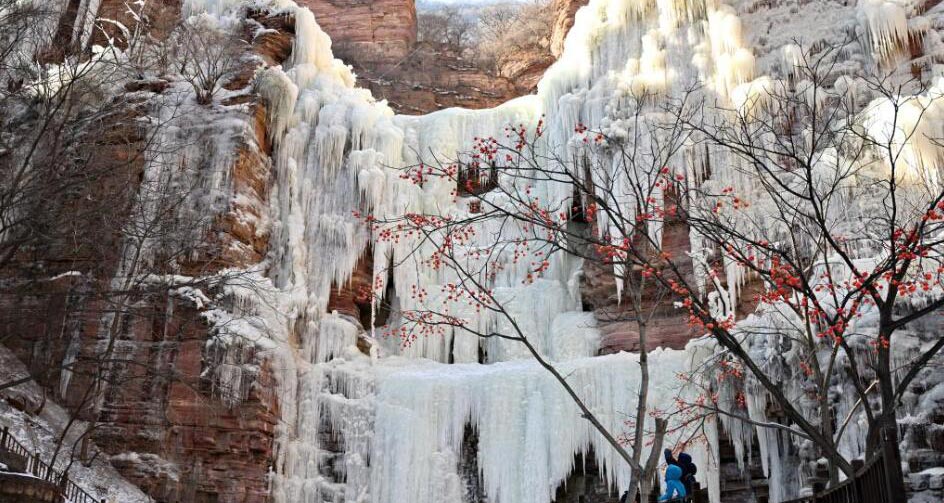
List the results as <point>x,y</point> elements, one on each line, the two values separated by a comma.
<point>793,57</point>
<point>312,44</point>
<point>723,51</point>
<point>910,127</point>
<point>752,98</point>
<point>72,352</point>
<point>886,24</point>
<point>652,75</point>
<point>335,333</point>
<point>280,94</point>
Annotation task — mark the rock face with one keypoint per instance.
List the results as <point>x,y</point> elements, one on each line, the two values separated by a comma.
<point>619,319</point>
<point>353,299</point>
<point>378,38</point>
<point>183,436</point>
<point>187,439</point>
<point>564,11</point>
<point>167,427</point>
<point>365,31</point>
<point>666,324</point>
<point>432,78</point>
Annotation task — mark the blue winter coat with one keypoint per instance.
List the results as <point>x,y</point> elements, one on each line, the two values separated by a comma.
<point>673,486</point>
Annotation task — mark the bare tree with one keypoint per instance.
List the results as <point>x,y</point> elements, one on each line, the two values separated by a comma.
<point>833,216</point>
<point>848,235</point>
<point>501,180</point>
<point>493,35</point>
<point>207,55</point>
<point>149,42</point>
<point>451,26</point>
<point>506,31</point>
<point>53,111</point>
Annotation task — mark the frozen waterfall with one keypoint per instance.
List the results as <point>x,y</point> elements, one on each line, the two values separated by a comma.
<point>388,428</point>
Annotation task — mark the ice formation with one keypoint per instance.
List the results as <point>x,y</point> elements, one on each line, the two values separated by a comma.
<point>390,429</point>
<point>528,429</point>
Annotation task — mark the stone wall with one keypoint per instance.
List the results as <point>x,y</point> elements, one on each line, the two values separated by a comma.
<point>20,488</point>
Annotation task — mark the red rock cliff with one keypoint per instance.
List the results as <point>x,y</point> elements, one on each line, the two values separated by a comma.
<point>158,416</point>
<point>367,30</point>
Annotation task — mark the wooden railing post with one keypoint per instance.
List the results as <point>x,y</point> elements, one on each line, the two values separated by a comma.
<point>3,436</point>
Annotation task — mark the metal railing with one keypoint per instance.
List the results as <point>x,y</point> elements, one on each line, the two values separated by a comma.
<point>868,486</point>
<point>42,470</point>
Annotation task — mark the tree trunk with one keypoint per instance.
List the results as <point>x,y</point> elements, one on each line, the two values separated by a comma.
<point>888,441</point>
<point>648,481</point>
<point>892,453</point>
<point>888,421</point>
<point>827,424</point>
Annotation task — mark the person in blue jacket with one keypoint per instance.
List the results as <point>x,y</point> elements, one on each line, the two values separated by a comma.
<point>689,469</point>
<point>673,486</point>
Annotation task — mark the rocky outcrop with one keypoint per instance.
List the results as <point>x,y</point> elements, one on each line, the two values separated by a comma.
<point>166,426</point>
<point>666,325</point>
<point>170,427</point>
<point>526,68</point>
<point>175,433</point>
<point>378,39</point>
<point>353,297</point>
<point>163,424</point>
<point>274,42</point>
<point>564,11</point>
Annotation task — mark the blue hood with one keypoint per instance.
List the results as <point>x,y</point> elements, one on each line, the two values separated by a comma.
<point>673,473</point>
